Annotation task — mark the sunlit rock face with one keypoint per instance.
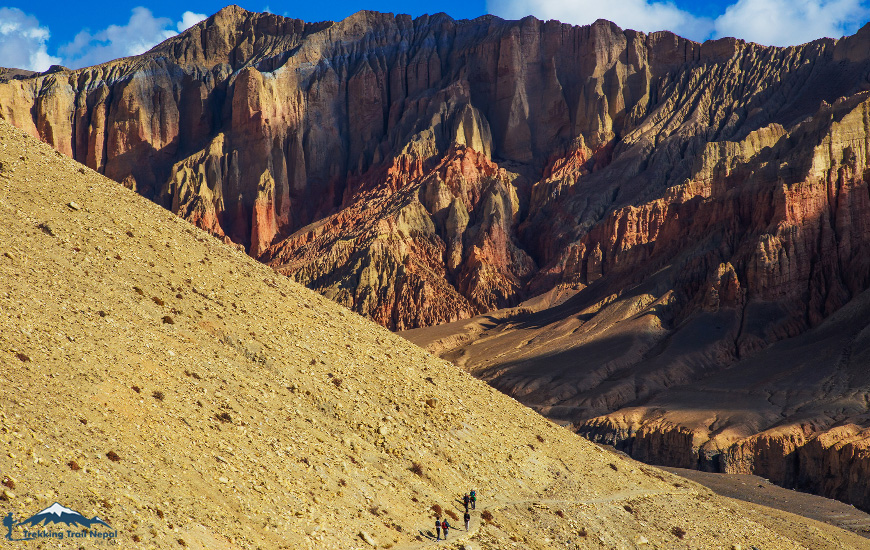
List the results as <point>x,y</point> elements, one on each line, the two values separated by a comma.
<point>425,170</point>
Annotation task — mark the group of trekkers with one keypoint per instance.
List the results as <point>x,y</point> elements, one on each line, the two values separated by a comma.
<point>469,499</point>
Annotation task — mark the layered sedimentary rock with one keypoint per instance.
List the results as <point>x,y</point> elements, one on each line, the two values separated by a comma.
<point>568,141</point>
<point>721,327</point>
<point>660,210</point>
<point>795,413</point>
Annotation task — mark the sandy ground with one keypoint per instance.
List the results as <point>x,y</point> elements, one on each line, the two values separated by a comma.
<point>758,490</point>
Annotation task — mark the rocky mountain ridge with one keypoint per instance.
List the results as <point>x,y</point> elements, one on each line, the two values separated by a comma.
<point>255,126</point>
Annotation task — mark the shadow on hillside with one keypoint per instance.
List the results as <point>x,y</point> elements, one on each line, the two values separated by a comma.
<point>427,534</point>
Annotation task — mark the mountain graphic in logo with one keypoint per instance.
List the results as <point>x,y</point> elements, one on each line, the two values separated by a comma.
<point>60,514</point>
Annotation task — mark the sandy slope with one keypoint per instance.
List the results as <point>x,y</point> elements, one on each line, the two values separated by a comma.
<point>248,412</point>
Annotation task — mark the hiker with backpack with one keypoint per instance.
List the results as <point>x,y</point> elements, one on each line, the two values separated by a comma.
<point>473,498</point>
<point>445,526</point>
<point>466,499</point>
<point>467,518</point>
<point>438,528</point>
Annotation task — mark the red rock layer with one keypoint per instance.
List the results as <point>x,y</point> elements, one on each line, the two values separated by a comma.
<point>394,239</point>
<point>254,126</point>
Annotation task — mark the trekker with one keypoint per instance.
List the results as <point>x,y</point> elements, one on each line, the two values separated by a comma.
<point>438,529</point>
<point>445,526</point>
<point>473,499</point>
<point>466,499</point>
<point>467,518</point>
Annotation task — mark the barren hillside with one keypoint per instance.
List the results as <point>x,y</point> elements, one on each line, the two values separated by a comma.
<point>190,397</point>
<point>795,413</point>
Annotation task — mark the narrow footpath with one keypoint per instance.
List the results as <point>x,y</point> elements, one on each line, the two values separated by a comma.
<point>460,535</point>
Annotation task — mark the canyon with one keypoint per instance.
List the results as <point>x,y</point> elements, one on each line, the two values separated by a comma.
<point>661,243</point>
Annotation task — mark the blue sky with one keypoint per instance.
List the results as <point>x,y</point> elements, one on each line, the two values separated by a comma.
<point>34,35</point>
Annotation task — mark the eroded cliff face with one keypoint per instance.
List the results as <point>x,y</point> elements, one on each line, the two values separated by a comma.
<point>255,126</point>
<point>716,326</point>
<point>658,210</point>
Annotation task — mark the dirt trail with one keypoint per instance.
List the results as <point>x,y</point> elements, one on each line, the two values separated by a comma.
<point>500,504</point>
<point>757,490</point>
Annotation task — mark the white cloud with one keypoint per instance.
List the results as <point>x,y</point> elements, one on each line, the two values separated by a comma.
<point>189,19</point>
<point>769,22</point>
<point>790,22</point>
<point>641,15</point>
<point>23,42</point>
<point>142,32</point>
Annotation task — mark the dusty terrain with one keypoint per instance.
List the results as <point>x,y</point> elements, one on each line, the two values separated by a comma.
<point>190,397</point>
<point>757,490</point>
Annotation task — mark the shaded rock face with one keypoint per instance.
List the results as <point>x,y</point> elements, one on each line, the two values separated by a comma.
<point>833,462</point>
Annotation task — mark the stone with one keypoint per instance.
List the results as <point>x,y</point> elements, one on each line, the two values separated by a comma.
<point>368,538</point>
<point>74,206</point>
